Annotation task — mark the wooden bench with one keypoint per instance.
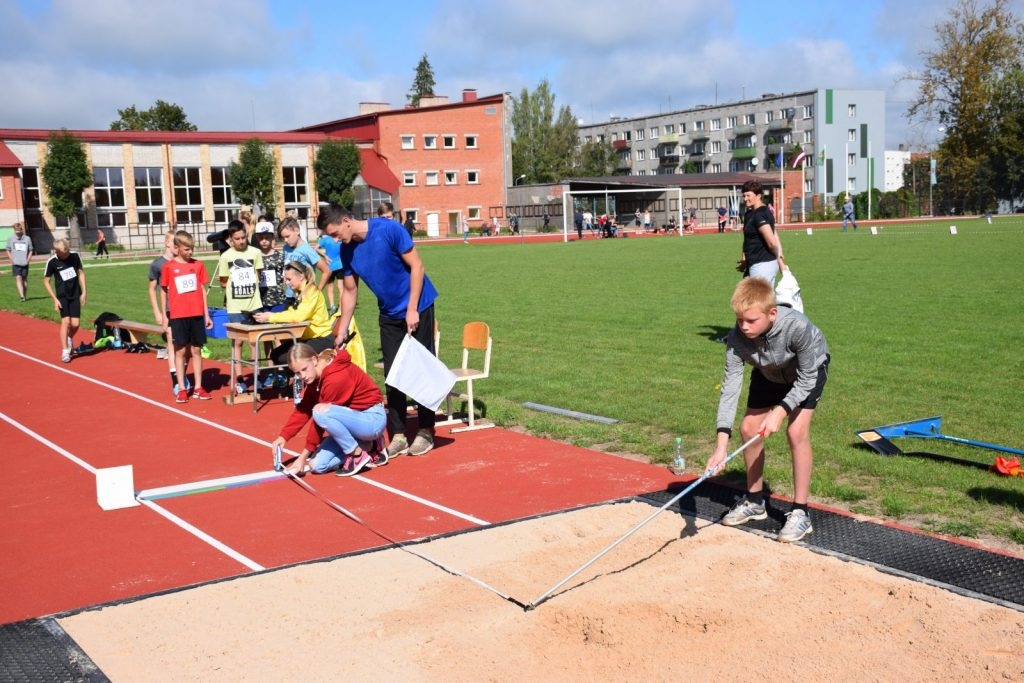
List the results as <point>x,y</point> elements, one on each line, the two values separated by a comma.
<point>138,332</point>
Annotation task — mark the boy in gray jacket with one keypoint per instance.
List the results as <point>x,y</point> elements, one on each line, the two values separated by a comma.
<point>790,360</point>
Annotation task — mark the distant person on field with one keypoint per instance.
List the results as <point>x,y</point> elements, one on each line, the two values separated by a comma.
<point>19,249</point>
<point>410,225</point>
<point>721,219</point>
<point>183,294</point>
<point>762,250</point>
<point>101,244</point>
<point>848,213</point>
<point>383,255</point>
<point>647,220</point>
<point>547,221</point>
<point>330,249</point>
<point>790,360</point>
<point>347,411</point>
<point>67,292</point>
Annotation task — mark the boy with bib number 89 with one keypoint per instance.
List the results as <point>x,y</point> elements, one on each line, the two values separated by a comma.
<point>183,294</point>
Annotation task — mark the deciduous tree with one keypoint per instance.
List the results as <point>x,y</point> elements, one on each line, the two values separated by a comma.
<point>544,147</point>
<point>252,176</point>
<point>161,116</point>
<point>337,165</point>
<point>66,175</point>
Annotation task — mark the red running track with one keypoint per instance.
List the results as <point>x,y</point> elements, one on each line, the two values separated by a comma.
<point>60,422</point>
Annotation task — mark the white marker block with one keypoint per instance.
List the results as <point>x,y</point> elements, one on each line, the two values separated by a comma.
<point>809,231</point>
<point>115,487</point>
<point>874,229</point>
<point>952,230</point>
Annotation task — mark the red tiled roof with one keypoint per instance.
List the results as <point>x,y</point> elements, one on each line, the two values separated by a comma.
<point>376,173</point>
<point>7,158</point>
<point>163,136</point>
<point>369,119</point>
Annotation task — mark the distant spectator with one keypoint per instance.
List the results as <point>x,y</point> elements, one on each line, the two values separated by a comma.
<point>19,249</point>
<point>721,219</point>
<point>848,212</point>
<point>410,225</point>
<point>101,244</point>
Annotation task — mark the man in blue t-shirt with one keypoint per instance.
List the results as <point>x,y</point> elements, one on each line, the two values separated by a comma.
<point>381,253</point>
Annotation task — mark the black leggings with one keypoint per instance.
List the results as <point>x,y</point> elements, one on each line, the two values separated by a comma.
<point>392,332</point>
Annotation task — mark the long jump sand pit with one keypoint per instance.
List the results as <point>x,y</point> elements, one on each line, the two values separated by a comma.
<point>680,598</point>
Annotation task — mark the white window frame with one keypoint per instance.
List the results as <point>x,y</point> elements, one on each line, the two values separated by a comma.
<point>472,213</point>
<point>654,132</point>
<point>640,154</point>
<point>408,141</point>
<point>716,124</point>
<point>472,176</point>
<point>851,159</point>
<point>429,141</point>
<point>431,178</point>
<point>851,111</point>
<point>472,140</point>
<point>808,136</point>
<point>639,134</point>
<point>730,122</point>
<point>451,177</point>
<point>448,140</point>
<point>808,111</point>
<point>409,178</point>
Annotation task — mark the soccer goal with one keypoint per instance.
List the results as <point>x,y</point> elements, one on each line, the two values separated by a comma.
<point>608,200</point>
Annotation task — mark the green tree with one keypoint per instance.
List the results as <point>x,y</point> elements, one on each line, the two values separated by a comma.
<point>252,176</point>
<point>161,116</point>
<point>66,175</point>
<point>337,165</point>
<point>423,84</point>
<point>959,89</point>
<point>1006,165</point>
<point>595,160</point>
<point>544,147</point>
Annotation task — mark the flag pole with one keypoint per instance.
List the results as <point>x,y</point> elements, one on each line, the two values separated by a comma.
<point>803,195</point>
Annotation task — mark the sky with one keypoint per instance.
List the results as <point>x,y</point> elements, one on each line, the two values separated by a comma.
<point>262,65</point>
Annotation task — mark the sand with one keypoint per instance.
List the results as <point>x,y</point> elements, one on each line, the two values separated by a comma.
<point>679,600</point>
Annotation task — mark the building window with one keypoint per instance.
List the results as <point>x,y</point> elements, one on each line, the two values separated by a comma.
<point>296,196</point>
<point>30,189</point>
<point>188,189</point>
<point>808,111</point>
<point>808,187</point>
<point>473,213</point>
<point>587,138</point>
<point>769,116</point>
<point>451,177</point>
<point>730,122</point>
<point>670,128</point>
<point>682,127</point>
<point>432,178</point>
<point>716,146</point>
<point>639,134</point>
<point>412,214</point>
<point>149,191</point>
<point>716,168</point>
<point>808,136</point>
<point>409,178</point>
<point>851,111</point>
<point>716,124</point>
<point>429,142</point>
<point>851,185</point>
<point>109,188</point>
<point>851,135</point>
<point>471,141</point>
<point>640,155</point>
<point>654,133</point>
<point>472,177</point>
<point>448,141</point>
<point>698,126</point>
<point>748,119</point>
<point>851,159</point>
<point>698,148</point>
<point>225,205</point>
<point>408,142</point>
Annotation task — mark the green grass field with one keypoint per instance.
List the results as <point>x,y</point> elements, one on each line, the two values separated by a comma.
<point>920,323</point>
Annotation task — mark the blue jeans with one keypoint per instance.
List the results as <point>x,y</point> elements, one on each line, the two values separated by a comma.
<point>345,428</point>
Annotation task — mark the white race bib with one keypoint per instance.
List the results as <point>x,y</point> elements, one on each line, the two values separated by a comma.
<point>186,283</point>
<point>269,278</point>
<point>20,246</point>
<point>66,274</point>
<point>243,282</point>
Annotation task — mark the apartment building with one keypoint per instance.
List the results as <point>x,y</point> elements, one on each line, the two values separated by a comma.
<point>841,131</point>
<point>437,162</point>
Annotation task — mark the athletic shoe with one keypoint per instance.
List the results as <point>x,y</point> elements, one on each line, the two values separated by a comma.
<point>354,464</point>
<point>378,455</point>
<point>65,356</point>
<point>798,525</point>
<point>422,444</point>
<point>202,394</point>
<point>161,354</point>
<point>281,380</point>
<point>268,381</point>
<point>398,446</point>
<point>743,512</point>
<point>181,397</point>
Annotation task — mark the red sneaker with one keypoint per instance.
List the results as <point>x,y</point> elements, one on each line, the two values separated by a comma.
<point>181,397</point>
<point>202,394</point>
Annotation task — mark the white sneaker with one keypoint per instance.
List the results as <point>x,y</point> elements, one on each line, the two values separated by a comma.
<point>798,525</point>
<point>65,356</point>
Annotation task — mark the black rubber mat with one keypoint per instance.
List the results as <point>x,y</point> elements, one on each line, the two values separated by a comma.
<point>39,651</point>
<point>966,570</point>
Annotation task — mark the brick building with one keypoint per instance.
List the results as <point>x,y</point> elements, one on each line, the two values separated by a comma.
<point>437,162</point>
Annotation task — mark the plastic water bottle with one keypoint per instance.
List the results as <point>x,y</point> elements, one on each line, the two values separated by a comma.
<point>297,386</point>
<point>679,461</point>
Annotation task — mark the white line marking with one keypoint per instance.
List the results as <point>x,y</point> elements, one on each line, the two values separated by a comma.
<point>243,435</point>
<point>52,446</point>
<point>222,482</point>
<point>203,536</point>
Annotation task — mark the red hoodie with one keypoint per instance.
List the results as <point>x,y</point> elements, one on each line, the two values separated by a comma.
<point>342,384</point>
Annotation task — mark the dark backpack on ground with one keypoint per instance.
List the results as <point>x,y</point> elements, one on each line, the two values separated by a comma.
<point>104,330</point>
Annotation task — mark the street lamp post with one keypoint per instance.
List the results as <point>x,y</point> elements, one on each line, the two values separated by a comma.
<point>516,181</point>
